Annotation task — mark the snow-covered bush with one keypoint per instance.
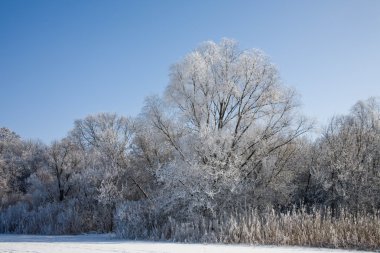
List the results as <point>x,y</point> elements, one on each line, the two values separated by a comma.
<point>52,218</point>
<point>135,220</point>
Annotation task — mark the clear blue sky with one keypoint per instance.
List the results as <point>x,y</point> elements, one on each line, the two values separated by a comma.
<point>63,60</point>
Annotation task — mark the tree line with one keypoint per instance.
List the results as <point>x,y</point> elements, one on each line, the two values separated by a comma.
<point>226,137</point>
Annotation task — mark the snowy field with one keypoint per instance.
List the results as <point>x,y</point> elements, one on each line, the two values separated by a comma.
<point>108,244</point>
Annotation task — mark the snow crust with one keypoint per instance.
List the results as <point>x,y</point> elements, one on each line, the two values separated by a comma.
<point>107,243</point>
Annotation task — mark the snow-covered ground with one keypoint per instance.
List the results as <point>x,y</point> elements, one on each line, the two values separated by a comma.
<point>108,244</point>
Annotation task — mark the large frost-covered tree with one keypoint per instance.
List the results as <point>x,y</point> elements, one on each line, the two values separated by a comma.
<point>10,171</point>
<point>230,121</point>
<point>18,160</point>
<point>348,158</point>
<point>64,162</point>
<point>107,137</point>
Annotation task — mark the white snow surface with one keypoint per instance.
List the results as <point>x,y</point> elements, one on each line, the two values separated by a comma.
<point>107,243</point>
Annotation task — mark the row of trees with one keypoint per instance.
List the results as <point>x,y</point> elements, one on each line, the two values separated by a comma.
<point>226,136</point>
